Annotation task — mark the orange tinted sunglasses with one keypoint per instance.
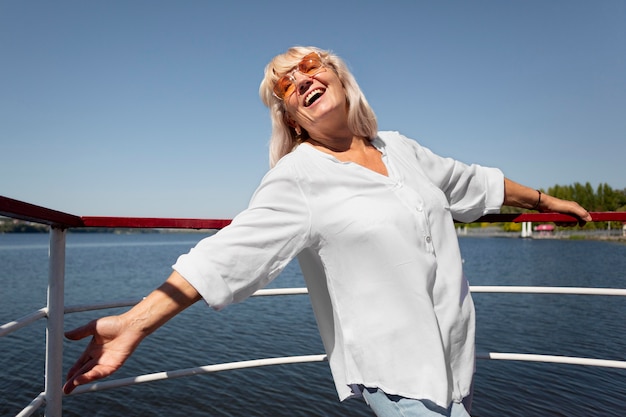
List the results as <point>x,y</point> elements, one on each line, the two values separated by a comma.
<point>310,65</point>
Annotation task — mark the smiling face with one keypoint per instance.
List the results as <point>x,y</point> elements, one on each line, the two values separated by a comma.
<point>319,109</point>
<point>317,103</point>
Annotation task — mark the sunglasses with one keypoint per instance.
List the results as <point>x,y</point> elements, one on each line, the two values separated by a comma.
<point>310,65</point>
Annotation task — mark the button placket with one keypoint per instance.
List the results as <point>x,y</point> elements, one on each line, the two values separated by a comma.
<point>413,199</point>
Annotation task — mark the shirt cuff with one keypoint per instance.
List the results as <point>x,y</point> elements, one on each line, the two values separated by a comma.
<point>495,191</point>
<point>211,286</point>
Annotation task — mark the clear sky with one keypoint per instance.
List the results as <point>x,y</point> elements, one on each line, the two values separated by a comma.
<point>151,108</point>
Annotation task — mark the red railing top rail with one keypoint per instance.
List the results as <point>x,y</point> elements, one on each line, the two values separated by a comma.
<point>25,211</point>
<point>597,216</point>
<point>29,212</point>
<point>153,222</point>
<point>37,214</point>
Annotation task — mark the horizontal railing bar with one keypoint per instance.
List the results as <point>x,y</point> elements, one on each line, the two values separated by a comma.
<point>151,223</point>
<point>597,216</point>
<point>12,326</point>
<point>17,324</point>
<point>147,222</point>
<point>280,291</point>
<point>34,405</point>
<point>100,306</point>
<point>21,322</point>
<point>570,360</point>
<point>255,363</point>
<point>608,216</point>
<point>29,212</point>
<point>24,211</point>
<point>230,366</point>
<point>303,291</point>
<point>547,290</point>
<point>144,222</point>
<point>127,303</point>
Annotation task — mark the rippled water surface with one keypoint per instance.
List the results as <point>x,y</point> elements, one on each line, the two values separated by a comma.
<point>104,267</point>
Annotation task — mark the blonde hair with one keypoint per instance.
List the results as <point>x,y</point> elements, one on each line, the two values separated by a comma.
<point>361,117</point>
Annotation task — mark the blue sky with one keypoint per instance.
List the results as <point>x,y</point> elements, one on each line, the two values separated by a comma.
<point>151,108</point>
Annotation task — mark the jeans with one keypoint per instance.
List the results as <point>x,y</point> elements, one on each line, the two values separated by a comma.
<point>385,405</point>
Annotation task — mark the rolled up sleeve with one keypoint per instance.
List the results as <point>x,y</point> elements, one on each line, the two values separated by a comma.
<point>250,252</point>
<point>472,190</point>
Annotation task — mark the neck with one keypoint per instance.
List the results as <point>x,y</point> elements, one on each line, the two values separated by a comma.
<point>339,145</point>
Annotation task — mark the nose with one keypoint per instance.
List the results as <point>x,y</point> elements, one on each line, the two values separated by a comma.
<point>303,82</point>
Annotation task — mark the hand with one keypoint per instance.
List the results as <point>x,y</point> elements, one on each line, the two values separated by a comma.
<point>571,208</point>
<point>115,338</point>
<point>112,342</point>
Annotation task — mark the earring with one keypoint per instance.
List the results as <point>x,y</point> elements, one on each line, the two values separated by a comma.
<point>298,133</point>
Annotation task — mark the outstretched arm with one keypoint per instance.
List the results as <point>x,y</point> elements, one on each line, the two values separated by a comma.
<point>517,195</point>
<point>114,338</point>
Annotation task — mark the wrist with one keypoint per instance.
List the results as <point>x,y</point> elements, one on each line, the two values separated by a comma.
<point>137,321</point>
<point>537,205</point>
<point>147,315</point>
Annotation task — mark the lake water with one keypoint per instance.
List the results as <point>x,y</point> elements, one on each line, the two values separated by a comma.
<point>106,267</point>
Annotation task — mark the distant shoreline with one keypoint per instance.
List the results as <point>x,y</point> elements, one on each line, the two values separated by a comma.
<point>491,231</point>
<point>563,234</point>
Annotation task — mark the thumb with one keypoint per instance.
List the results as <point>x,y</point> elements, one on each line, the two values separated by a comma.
<point>82,331</point>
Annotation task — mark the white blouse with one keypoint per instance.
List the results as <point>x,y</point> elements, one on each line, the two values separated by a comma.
<point>380,257</point>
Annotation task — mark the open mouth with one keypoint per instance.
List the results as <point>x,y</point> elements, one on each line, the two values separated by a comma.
<point>313,96</point>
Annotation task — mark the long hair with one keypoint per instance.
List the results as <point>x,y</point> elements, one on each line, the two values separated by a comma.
<point>361,117</point>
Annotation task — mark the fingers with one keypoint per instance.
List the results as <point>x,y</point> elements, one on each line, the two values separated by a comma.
<point>74,374</point>
<point>80,363</point>
<point>106,351</point>
<point>583,216</point>
<point>82,331</point>
<point>86,373</point>
<point>586,217</point>
<point>86,361</point>
<point>571,208</point>
<point>581,222</point>
<point>578,211</point>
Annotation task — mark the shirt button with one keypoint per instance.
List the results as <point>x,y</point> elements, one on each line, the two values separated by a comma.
<point>419,208</point>
<point>428,239</point>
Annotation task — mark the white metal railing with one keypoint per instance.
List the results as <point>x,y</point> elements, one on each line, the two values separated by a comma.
<point>552,359</point>
<point>200,370</point>
<point>17,324</point>
<point>100,386</point>
<point>34,405</point>
<point>45,399</point>
<point>549,290</point>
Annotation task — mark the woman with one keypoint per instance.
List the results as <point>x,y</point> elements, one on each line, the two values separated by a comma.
<point>370,217</point>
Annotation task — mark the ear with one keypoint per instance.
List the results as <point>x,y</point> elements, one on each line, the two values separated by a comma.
<point>290,122</point>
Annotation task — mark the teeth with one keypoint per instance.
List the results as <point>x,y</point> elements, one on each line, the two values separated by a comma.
<point>309,97</point>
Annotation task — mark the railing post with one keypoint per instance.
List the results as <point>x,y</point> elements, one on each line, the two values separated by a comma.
<point>54,329</point>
